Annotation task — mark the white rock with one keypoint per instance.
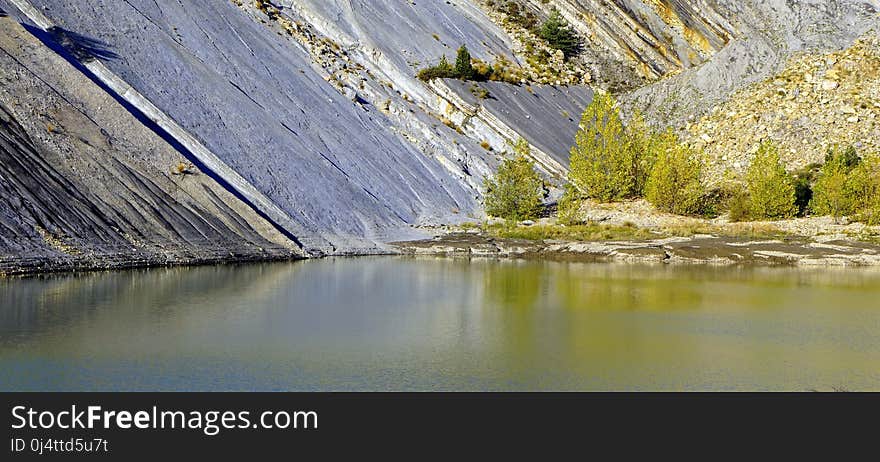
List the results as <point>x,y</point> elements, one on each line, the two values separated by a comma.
<point>828,85</point>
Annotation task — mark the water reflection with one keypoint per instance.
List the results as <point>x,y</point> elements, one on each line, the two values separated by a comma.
<point>423,324</point>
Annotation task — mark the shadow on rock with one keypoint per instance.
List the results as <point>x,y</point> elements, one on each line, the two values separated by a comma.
<point>84,49</point>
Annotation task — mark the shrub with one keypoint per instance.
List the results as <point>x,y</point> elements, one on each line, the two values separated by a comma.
<point>559,35</point>
<point>864,186</point>
<point>739,205</point>
<point>519,16</point>
<point>502,70</point>
<point>771,189</point>
<point>602,160</point>
<point>849,158</point>
<point>470,68</point>
<point>443,70</point>
<point>830,193</point>
<point>516,191</point>
<point>568,207</point>
<point>674,184</point>
<point>643,145</point>
<point>479,92</point>
<point>848,185</point>
<point>183,169</point>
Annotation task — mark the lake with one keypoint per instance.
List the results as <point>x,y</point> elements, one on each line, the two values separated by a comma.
<point>397,323</point>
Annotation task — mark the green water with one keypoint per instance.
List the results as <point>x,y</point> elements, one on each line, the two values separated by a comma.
<point>437,324</point>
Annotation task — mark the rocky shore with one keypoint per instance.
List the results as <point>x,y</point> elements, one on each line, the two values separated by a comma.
<point>29,266</point>
<point>699,249</point>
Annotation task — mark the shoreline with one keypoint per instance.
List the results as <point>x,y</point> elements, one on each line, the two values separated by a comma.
<point>31,267</point>
<point>790,251</point>
<point>695,250</point>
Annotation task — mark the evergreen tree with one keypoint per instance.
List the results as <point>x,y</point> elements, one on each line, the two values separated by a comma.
<point>559,35</point>
<point>443,70</point>
<point>444,67</point>
<point>464,70</point>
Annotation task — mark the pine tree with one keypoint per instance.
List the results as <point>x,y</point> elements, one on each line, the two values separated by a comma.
<point>444,65</point>
<point>464,70</point>
<point>559,35</point>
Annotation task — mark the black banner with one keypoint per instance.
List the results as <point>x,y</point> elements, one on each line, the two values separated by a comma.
<point>119,426</point>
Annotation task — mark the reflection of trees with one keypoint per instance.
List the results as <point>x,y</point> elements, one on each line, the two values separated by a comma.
<point>610,334</point>
<point>611,287</point>
<point>514,304</point>
<point>513,284</point>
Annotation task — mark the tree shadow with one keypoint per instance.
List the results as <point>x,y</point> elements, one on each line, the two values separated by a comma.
<point>74,47</point>
<point>84,49</point>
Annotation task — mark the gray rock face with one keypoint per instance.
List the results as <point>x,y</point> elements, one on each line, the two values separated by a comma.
<point>393,40</point>
<point>350,173</point>
<point>406,33</point>
<point>83,184</point>
<point>546,116</point>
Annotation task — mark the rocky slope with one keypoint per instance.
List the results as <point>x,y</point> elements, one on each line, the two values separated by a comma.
<point>254,100</point>
<point>627,43</point>
<point>83,184</point>
<point>371,51</point>
<point>324,116</point>
<point>764,35</point>
<point>817,101</point>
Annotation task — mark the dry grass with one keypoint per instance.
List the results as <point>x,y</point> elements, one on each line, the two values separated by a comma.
<point>628,231</point>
